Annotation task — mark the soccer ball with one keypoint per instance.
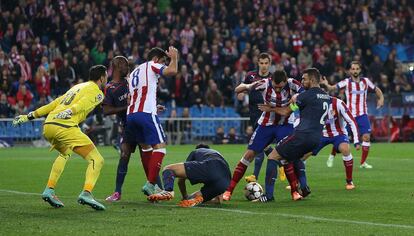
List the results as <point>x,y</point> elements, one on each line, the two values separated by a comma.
<point>253,191</point>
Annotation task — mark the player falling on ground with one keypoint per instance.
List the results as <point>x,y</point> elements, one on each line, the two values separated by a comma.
<point>256,97</point>
<point>313,105</point>
<point>204,165</point>
<point>62,131</point>
<point>276,91</point>
<point>356,88</point>
<point>143,124</point>
<point>335,133</point>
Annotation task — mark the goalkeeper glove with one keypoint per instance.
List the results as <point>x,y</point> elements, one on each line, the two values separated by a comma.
<point>18,120</point>
<point>66,114</point>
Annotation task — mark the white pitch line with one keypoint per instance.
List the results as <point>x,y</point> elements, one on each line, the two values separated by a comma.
<point>311,218</point>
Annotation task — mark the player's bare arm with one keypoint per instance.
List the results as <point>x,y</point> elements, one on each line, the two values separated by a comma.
<point>380,96</point>
<point>172,68</point>
<point>183,188</point>
<point>110,110</point>
<point>328,87</point>
<point>248,87</point>
<point>267,107</point>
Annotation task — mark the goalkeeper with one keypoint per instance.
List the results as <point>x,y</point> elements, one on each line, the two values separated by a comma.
<point>62,131</point>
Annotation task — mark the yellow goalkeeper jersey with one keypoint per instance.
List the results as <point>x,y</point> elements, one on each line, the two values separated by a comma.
<point>80,99</point>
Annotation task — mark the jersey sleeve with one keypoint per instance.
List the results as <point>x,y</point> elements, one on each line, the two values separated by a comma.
<point>91,98</point>
<point>249,78</point>
<point>342,84</point>
<point>371,86</point>
<point>109,97</point>
<point>301,100</point>
<point>295,85</point>
<point>158,68</point>
<point>46,109</point>
<point>350,120</point>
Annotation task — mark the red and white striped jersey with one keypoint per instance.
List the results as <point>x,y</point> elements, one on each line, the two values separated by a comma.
<point>356,94</point>
<point>338,116</point>
<point>142,83</point>
<point>278,99</point>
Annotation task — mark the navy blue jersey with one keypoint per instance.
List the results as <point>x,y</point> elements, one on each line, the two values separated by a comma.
<point>255,96</point>
<point>203,154</point>
<point>116,95</point>
<point>313,106</point>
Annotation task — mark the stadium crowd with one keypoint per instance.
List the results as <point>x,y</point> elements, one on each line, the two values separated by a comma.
<point>48,46</point>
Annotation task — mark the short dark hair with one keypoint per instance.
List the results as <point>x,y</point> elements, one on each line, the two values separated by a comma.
<point>279,76</point>
<point>355,63</point>
<point>156,52</point>
<point>265,55</point>
<point>202,145</point>
<point>314,73</point>
<point>95,72</point>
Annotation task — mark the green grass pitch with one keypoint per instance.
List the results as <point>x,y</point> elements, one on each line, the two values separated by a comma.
<point>382,203</point>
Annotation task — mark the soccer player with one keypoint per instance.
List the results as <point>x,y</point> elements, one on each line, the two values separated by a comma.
<point>115,102</point>
<point>142,120</point>
<point>62,131</point>
<point>255,98</point>
<point>356,88</point>
<point>313,106</point>
<point>204,165</point>
<point>335,133</point>
<point>271,126</point>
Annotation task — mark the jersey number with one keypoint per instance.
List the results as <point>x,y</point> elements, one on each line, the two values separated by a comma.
<point>68,98</point>
<point>135,78</point>
<point>325,108</point>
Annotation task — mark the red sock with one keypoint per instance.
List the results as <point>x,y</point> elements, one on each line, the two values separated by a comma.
<point>145,158</point>
<point>365,150</point>
<point>237,175</point>
<point>349,165</point>
<point>154,165</point>
<point>333,151</point>
<point>291,177</point>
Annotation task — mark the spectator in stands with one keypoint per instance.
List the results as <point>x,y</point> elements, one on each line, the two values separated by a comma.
<point>225,85</point>
<point>232,136</point>
<point>401,82</point>
<point>66,77</point>
<point>247,134</point>
<point>220,136</point>
<point>42,82</point>
<point>385,85</point>
<point>25,68</point>
<point>6,110</point>
<point>173,129</point>
<point>163,93</point>
<point>24,99</point>
<point>213,96</point>
<point>186,127</point>
<point>196,96</point>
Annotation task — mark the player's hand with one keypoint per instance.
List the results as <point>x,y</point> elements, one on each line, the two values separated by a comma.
<point>64,115</point>
<point>323,81</point>
<point>357,146</point>
<point>266,107</point>
<point>257,85</point>
<point>380,103</point>
<point>161,108</point>
<point>294,98</point>
<point>18,120</point>
<point>172,52</point>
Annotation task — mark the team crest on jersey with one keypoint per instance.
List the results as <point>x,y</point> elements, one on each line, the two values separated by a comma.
<point>99,98</point>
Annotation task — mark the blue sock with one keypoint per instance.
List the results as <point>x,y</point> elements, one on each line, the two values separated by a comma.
<point>121,173</point>
<point>271,175</point>
<point>159,183</point>
<point>168,177</point>
<point>258,161</point>
<point>301,173</point>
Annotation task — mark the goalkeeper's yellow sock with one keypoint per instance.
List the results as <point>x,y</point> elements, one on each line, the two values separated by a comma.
<point>57,169</point>
<point>94,169</point>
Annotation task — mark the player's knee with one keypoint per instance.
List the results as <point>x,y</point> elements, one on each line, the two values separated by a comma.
<point>366,137</point>
<point>249,155</point>
<point>125,155</point>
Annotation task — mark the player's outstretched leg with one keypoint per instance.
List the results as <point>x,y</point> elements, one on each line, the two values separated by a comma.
<point>364,155</point>
<point>95,160</point>
<point>300,172</point>
<point>331,157</point>
<point>238,174</point>
<point>293,182</point>
<point>271,175</point>
<point>121,172</point>
<point>49,193</point>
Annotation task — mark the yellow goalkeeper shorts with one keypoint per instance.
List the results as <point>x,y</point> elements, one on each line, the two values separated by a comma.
<point>64,138</point>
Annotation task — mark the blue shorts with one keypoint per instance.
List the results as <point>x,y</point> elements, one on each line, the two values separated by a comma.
<point>144,128</point>
<point>213,173</point>
<point>296,145</point>
<point>363,123</point>
<point>265,135</point>
<point>336,141</point>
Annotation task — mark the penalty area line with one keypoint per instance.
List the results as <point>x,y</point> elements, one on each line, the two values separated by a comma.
<point>305,217</point>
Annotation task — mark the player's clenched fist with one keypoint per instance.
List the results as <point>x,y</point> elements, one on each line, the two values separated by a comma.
<point>66,114</point>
